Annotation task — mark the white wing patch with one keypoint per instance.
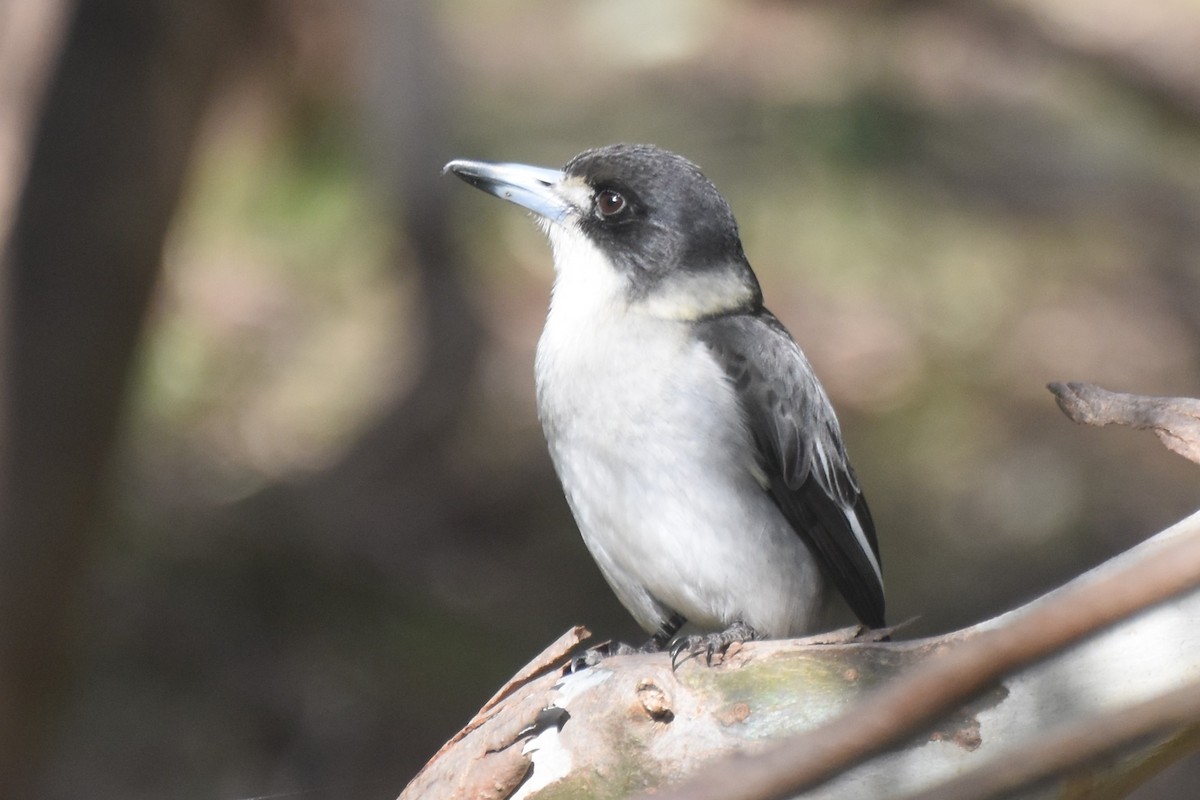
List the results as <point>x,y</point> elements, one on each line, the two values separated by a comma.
<point>861,536</point>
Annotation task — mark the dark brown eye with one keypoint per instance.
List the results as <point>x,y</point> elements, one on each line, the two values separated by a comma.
<point>609,203</point>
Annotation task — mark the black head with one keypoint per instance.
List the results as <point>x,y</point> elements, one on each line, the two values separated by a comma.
<point>659,222</point>
<point>655,210</point>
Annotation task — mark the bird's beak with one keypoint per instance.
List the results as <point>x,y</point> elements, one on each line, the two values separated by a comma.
<point>530,187</point>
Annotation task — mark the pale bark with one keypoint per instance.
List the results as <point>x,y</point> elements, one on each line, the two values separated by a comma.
<point>630,724</point>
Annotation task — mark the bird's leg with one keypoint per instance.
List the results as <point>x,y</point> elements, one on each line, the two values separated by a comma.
<point>594,655</point>
<point>711,644</point>
<point>665,634</point>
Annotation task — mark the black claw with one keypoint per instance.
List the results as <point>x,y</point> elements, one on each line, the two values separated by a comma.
<point>683,645</point>
<point>710,644</point>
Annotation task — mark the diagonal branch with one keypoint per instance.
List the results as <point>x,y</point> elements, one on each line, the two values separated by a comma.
<point>913,701</point>
<point>631,723</point>
<point>1075,747</point>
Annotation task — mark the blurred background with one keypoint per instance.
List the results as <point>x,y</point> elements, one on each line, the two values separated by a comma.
<point>277,515</point>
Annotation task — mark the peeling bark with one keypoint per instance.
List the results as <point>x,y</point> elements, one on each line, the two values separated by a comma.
<point>630,724</point>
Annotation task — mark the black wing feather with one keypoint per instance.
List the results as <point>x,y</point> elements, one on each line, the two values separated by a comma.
<point>800,450</point>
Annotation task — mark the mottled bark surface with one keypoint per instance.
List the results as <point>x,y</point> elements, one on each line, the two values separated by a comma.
<point>1094,706</point>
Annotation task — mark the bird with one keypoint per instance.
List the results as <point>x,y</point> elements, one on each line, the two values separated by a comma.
<point>700,455</point>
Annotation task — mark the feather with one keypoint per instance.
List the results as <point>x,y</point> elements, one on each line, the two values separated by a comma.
<point>799,450</point>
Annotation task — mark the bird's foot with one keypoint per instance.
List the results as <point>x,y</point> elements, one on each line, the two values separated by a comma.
<point>655,644</point>
<point>594,655</point>
<point>710,644</point>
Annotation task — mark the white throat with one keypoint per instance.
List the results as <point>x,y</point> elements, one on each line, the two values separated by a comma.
<point>585,283</point>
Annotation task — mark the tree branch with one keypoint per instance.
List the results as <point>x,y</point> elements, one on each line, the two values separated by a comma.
<point>1175,420</point>
<point>943,683</point>
<point>630,724</point>
<point>1076,747</point>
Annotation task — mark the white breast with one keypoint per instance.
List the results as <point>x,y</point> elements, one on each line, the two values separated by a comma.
<point>657,465</point>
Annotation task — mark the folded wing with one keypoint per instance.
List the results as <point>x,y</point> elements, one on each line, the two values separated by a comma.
<point>800,452</point>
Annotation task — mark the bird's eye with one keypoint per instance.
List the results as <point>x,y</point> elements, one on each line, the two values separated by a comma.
<point>609,203</point>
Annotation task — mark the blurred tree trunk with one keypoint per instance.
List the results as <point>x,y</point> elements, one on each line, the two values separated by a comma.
<point>110,150</point>
<point>30,35</point>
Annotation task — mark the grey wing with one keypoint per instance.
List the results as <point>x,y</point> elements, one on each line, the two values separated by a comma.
<point>800,451</point>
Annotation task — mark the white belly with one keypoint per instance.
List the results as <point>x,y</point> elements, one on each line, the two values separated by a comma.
<point>657,466</point>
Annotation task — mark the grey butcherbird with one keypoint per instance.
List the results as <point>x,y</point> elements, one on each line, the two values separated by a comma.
<point>699,454</point>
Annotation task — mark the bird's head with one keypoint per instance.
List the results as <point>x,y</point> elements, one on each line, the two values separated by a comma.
<point>662,236</point>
